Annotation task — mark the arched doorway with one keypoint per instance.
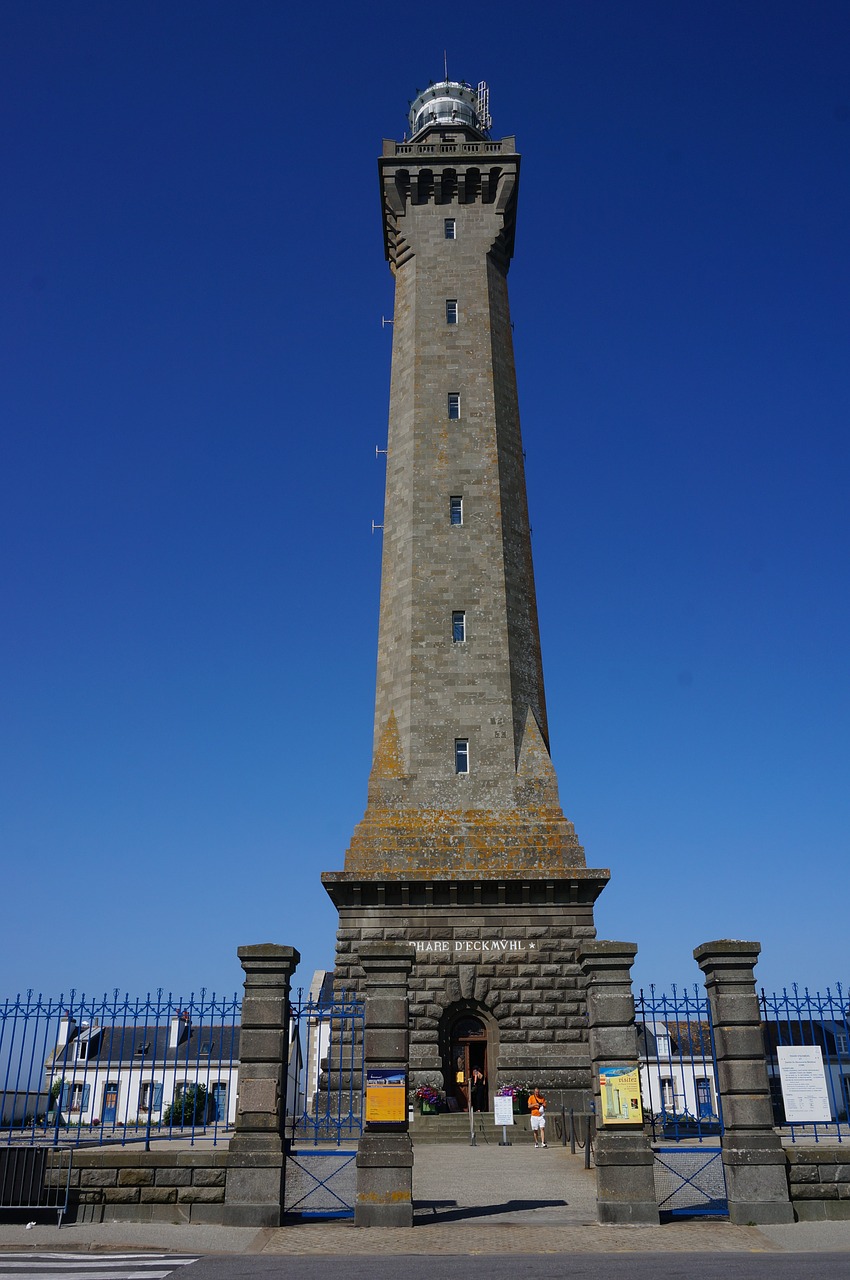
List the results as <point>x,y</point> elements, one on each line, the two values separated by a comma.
<point>467,1051</point>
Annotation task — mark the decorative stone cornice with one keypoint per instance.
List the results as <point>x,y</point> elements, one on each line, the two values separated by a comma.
<point>582,885</point>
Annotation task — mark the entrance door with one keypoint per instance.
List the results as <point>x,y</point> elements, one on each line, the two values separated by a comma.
<point>468,1052</point>
<point>219,1101</point>
<point>110,1103</point>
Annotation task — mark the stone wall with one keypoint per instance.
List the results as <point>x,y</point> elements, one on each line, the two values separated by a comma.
<point>111,1184</point>
<point>819,1178</point>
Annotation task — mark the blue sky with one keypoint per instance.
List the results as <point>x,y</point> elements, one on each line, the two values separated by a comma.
<point>194,379</point>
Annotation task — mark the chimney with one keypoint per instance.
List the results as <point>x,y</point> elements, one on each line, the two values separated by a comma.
<point>181,1025</point>
<point>67,1030</point>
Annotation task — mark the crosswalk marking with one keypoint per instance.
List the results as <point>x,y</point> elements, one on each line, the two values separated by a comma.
<point>102,1266</point>
<point>93,1259</point>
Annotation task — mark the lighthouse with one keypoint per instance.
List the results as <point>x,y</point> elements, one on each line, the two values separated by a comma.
<point>464,852</point>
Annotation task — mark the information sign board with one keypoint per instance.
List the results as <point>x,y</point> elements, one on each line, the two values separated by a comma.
<point>803,1081</point>
<point>503,1110</point>
<point>386,1095</point>
<point>620,1095</point>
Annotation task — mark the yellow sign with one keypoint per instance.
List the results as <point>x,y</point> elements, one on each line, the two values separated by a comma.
<point>386,1096</point>
<point>619,1088</point>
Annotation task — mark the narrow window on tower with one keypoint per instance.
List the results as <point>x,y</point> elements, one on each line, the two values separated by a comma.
<point>461,755</point>
<point>451,230</point>
<point>458,626</point>
<point>451,310</point>
<point>454,405</point>
<point>456,510</point>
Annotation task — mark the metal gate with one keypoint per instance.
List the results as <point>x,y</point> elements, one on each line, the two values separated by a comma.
<point>34,1178</point>
<point>324,1104</point>
<point>681,1100</point>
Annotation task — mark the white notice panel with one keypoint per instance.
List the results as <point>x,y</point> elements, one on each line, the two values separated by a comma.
<point>503,1110</point>
<point>803,1084</point>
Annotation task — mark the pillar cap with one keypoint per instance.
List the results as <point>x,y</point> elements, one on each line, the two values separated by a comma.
<point>605,950</point>
<point>727,951</point>
<point>269,951</point>
<point>385,955</point>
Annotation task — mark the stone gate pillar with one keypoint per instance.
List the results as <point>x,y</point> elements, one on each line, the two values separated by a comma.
<point>256,1156</point>
<point>625,1183</point>
<point>385,1153</point>
<point>753,1158</point>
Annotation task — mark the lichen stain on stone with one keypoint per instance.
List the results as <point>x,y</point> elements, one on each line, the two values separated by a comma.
<point>388,760</point>
<point>383,1197</point>
<point>419,840</point>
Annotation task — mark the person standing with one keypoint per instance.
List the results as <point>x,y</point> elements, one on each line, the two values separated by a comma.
<point>537,1107</point>
<point>479,1089</point>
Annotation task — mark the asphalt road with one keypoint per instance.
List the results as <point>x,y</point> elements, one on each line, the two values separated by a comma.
<point>561,1266</point>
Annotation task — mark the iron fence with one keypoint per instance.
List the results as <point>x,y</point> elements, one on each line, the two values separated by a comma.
<point>816,1104</point>
<point>681,1099</point>
<point>325,1112</point>
<point>678,1074</point>
<point>328,1104</point>
<point>78,1070</point>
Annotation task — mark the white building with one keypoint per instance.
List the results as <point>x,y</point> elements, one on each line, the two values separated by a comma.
<point>130,1075</point>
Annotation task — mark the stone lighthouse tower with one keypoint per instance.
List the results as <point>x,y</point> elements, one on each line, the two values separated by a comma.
<point>464,851</point>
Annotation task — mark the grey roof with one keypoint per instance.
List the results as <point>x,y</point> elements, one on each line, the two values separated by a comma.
<point>145,1045</point>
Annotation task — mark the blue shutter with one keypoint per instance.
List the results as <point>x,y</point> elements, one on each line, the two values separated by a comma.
<point>156,1105</point>
<point>84,1105</point>
<point>65,1097</point>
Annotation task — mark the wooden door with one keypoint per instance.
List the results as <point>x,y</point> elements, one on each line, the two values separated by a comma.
<point>468,1050</point>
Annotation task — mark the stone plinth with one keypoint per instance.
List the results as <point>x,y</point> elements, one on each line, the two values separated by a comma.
<point>625,1184</point>
<point>753,1159</point>
<point>385,1153</point>
<point>256,1158</point>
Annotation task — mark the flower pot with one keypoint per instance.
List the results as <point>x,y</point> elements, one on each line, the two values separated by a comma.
<point>428,1108</point>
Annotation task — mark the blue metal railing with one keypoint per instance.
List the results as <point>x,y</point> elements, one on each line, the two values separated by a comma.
<point>816,1021</point>
<point>678,1070</point>
<point>328,1106</point>
<point>78,1070</point>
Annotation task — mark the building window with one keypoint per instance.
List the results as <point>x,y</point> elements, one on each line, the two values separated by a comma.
<point>454,406</point>
<point>461,755</point>
<point>456,510</point>
<point>458,626</point>
<point>150,1097</point>
<point>450,228</point>
<point>74,1097</point>
<point>667,1096</point>
<point>451,310</point>
<point>840,1042</point>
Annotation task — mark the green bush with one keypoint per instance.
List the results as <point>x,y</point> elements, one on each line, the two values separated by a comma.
<point>190,1107</point>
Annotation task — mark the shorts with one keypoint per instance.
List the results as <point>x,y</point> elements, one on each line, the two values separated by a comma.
<point>537,1122</point>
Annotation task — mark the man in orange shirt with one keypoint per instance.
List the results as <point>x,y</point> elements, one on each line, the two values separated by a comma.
<point>537,1107</point>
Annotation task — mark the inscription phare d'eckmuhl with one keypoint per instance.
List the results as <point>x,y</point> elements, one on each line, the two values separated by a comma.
<point>472,946</point>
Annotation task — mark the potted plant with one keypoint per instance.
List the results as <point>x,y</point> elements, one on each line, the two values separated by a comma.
<point>428,1098</point>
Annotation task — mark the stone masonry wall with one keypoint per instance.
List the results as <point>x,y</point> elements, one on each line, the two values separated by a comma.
<point>110,1184</point>
<point>819,1179</point>
<point>513,967</point>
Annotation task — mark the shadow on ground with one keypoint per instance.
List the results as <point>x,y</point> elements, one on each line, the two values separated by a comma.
<point>449,1211</point>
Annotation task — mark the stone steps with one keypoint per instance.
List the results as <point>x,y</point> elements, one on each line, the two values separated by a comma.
<point>454,1127</point>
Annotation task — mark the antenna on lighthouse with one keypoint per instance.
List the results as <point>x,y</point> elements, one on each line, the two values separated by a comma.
<point>445,66</point>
